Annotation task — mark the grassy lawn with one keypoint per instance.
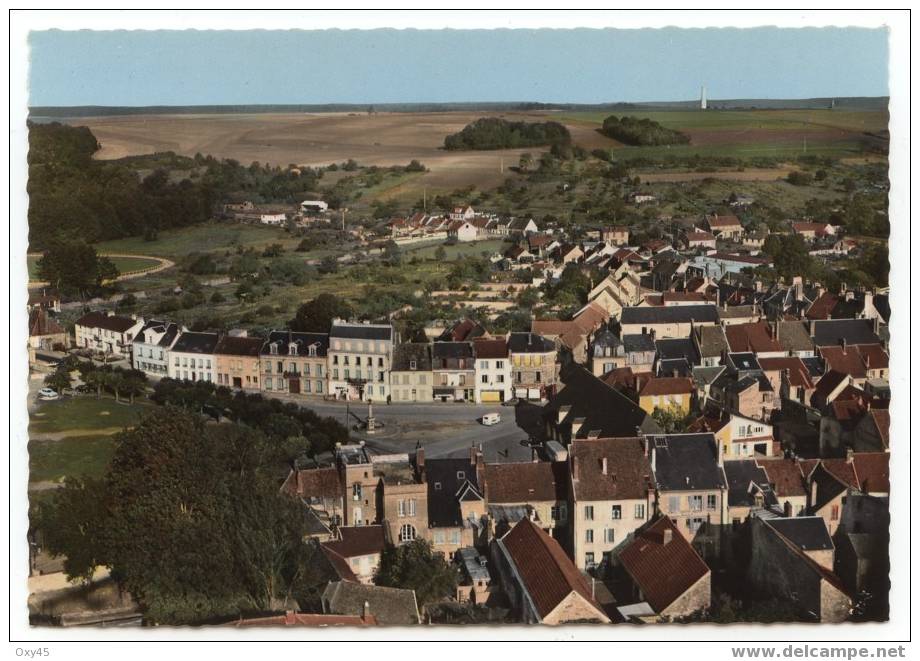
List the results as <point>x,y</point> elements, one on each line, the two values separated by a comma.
<point>84,414</point>
<point>78,456</point>
<point>123,264</point>
<point>201,238</point>
<point>458,251</point>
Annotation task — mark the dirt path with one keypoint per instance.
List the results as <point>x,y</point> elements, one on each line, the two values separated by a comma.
<point>72,433</point>
<point>162,265</point>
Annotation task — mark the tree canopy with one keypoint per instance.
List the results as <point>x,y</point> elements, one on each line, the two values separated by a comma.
<point>414,566</point>
<point>641,132</point>
<point>497,133</point>
<point>73,267</point>
<point>316,315</point>
<point>188,517</point>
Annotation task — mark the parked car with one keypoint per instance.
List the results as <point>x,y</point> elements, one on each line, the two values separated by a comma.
<point>490,419</point>
<point>47,393</point>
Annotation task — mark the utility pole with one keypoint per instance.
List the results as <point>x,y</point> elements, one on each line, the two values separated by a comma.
<point>343,218</point>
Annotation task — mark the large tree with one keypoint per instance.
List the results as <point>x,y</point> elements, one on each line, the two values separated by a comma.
<point>316,315</point>
<point>73,267</point>
<point>414,566</point>
<point>188,518</point>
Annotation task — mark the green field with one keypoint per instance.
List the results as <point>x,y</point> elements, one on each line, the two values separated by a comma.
<point>201,238</point>
<point>77,456</point>
<point>123,264</point>
<point>733,120</point>
<point>83,414</point>
<point>472,249</point>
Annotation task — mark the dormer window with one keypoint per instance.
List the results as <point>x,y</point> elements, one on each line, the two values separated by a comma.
<point>312,350</point>
<point>413,365</point>
<point>292,349</point>
<point>461,475</point>
<point>273,348</point>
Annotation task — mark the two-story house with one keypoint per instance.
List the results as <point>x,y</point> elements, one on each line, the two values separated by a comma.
<point>360,358</point>
<point>192,357</point>
<point>237,362</point>
<point>152,343</point>
<point>107,333</point>
<point>411,378</point>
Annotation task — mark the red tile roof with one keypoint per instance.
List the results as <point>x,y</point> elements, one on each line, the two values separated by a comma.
<point>882,421</point>
<point>663,571</point>
<point>539,481</point>
<point>716,221</point>
<point>490,348</point>
<point>667,385</point>
<point>41,324</point>
<point>823,306</point>
<point>798,372</point>
<point>628,475</point>
<point>546,571</point>
<point>786,476</point>
<point>319,483</point>
<point>358,540</point>
<point>756,337</point>
<point>872,471</point>
<point>846,361</point>
<point>291,619</point>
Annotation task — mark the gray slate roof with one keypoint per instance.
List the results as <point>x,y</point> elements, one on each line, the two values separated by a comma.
<point>687,462</point>
<point>191,342</point>
<point>855,331</point>
<point>362,331</point>
<point>669,314</point>
<point>391,606</point>
<point>405,354</point>
<point>809,533</point>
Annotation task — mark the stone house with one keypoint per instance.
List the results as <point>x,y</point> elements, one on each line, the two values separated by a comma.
<point>612,495</point>
<point>533,365</point>
<point>454,371</point>
<point>690,487</point>
<point>295,363</point>
<point>107,333</point>
<point>361,547</point>
<point>360,358</point>
<point>667,574</point>
<point>540,581</point>
<point>541,487</point>
<point>667,321</point>
<point>782,569</point>
<point>493,371</point>
<point>237,362</point>
<point>411,379</point>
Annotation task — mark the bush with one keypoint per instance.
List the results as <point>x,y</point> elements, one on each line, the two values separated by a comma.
<point>641,132</point>
<point>798,178</point>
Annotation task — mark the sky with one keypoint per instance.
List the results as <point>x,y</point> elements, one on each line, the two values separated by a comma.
<point>138,68</point>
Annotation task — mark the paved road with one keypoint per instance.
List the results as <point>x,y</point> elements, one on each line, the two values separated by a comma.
<point>442,429</point>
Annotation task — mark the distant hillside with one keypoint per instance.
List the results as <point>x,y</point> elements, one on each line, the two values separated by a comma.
<point>38,113</point>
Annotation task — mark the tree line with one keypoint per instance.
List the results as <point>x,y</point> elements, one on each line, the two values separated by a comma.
<point>497,133</point>
<point>641,132</point>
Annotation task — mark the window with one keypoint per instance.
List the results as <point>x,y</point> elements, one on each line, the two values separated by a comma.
<point>400,508</point>
<point>835,512</point>
<point>640,511</point>
<point>589,536</point>
<point>500,364</point>
<point>696,503</point>
<point>438,536</point>
<point>461,475</point>
<point>292,349</point>
<point>268,383</point>
<point>410,506</point>
<point>616,512</point>
<point>413,365</point>
<point>280,367</point>
<point>455,537</point>
<point>589,512</point>
<point>422,380</point>
<point>406,533</point>
<point>319,387</point>
<point>589,561</point>
<point>437,486</point>
<point>608,535</point>
<point>674,503</point>
<point>483,364</point>
<point>356,491</point>
<point>485,378</point>
<point>693,525</point>
<point>273,349</point>
<point>711,502</point>
<point>380,362</point>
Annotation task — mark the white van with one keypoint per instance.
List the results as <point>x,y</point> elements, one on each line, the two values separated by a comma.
<point>491,419</point>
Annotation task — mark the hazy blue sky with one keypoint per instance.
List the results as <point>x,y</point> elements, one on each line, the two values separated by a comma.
<point>137,68</point>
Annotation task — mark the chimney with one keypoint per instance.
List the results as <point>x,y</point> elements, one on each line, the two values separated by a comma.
<point>653,458</point>
<point>849,455</point>
<point>843,345</point>
<point>666,536</point>
<point>604,466</point>
<point>814,492</point>
<point>366,611</point>
<point>674,373</point>
<point>574,467</point>
<point>420,463</point>
<point>787,509</point>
